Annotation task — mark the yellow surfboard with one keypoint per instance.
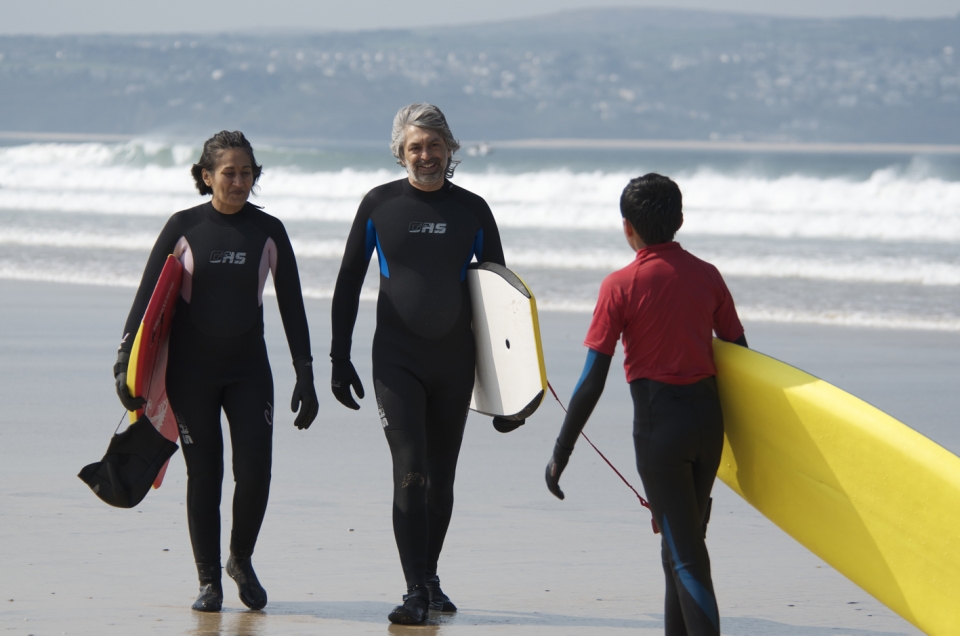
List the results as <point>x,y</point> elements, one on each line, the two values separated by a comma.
<point>875,499</point>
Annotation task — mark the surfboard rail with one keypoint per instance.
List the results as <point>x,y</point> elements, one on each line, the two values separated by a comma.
<point>870,496</point>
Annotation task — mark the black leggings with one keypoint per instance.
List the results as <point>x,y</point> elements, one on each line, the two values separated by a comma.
<point>206,374</point>
<point>423,394</point>
<point>678,436</point>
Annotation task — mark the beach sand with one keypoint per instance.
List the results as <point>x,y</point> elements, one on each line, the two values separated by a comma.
<point>516,560</point>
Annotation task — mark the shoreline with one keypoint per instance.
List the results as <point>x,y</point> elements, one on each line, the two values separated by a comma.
<point>854,320</point>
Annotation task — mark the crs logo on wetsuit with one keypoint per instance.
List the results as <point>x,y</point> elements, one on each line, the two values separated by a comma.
<point>234,258</point>
<point>418,227</point>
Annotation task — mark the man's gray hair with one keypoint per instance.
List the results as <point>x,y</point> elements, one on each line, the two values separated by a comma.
<point>423,116</point>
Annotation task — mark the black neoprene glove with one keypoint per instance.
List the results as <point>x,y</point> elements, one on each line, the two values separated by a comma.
<point>342,378</point>
<point>561,455</point>
<point>304,395</point>
<point>505,426</point>
<point>129,402</point>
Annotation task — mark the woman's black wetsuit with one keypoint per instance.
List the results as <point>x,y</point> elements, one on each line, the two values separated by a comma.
<point>423,349</point>
<point>218,359</point>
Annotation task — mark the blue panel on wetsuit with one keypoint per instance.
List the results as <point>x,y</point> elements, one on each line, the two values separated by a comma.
<point>587,367</point>
<point>704,598</point>
<point>372,240</point>
<point>476,250</point>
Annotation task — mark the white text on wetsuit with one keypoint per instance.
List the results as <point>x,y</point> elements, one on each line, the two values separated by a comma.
<point>418,227</point>
<point>235,258</point>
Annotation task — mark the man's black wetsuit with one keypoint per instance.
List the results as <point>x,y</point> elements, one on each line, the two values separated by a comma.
<point>218,359</point>
<point>423,349</point>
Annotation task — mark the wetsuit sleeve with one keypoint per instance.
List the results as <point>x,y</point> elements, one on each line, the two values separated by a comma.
<point>585,397</point>
<point>490,249</point>
<point>286,280</point>
<point>353,269</point>
<point>163,247</point>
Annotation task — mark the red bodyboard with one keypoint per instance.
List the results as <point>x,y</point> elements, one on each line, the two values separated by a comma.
<point>150,355</point>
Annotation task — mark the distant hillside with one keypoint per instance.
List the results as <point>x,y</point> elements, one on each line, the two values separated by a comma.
<point>614,73</point>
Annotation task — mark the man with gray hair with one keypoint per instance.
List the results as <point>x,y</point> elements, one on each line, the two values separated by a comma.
<point>426,230</point>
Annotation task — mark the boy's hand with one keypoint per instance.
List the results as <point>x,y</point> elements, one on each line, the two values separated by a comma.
<point>555,468</point>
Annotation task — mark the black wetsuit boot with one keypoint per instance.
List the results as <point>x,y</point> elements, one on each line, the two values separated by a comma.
<point>211,592</point>
<point>439,602</point>
<point>251,592</point>
<point>414,608</point>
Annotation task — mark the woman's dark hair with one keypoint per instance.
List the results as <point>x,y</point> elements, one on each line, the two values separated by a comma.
<point>212,149</point>
<point>654,207</point>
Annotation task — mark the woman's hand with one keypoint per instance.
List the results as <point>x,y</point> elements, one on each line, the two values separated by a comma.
<point>129,402</point>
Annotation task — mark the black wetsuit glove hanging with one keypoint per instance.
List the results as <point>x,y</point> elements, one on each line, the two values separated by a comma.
<point>342,378</point>
<point>129,402</point>
<point>304,395</point>
<point>561,455</point>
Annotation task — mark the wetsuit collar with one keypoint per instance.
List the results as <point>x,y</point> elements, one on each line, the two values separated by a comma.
<point>411,191</point>
<point>228,219</point>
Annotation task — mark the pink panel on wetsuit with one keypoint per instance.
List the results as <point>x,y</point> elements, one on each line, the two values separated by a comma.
<point>268,263</point>
<point>184,254</point>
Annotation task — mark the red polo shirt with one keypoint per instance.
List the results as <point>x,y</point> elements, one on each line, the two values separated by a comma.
<point>667,304</point>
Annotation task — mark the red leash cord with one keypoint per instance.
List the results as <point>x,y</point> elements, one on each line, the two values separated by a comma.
<point>643,502</point>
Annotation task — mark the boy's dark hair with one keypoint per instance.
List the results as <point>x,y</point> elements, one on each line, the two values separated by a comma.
<point>212,148</point>
<point>654,207</point>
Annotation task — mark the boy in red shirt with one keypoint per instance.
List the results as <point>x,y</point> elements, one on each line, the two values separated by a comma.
<point>666,305</point>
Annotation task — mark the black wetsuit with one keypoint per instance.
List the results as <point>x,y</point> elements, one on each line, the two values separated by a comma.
<point>218,359</point>
<point>678,440</point>
<point>423,349</point>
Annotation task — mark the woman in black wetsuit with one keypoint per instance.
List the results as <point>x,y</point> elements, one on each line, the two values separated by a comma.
<point>426,231</point>
<point>218,358</point>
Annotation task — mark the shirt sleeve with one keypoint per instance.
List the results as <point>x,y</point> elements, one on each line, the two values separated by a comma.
<point>608,322</point>
<point>726,322</point>
<point>162,248</point>
<point>286,280</point>
<point>353,269</point>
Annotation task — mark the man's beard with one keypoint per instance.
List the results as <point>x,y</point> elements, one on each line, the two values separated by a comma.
<point>426,179</point>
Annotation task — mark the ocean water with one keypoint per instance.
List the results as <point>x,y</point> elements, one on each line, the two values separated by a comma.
<point>861,240</point>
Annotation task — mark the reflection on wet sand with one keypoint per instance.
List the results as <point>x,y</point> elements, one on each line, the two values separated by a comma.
<point>229,624</point>
<point>414,630</point>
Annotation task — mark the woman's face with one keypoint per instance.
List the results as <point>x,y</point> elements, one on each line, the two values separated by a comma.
<point>231,181</point>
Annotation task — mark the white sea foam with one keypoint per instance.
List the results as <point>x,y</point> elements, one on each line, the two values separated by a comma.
<point>121,179</point>
<point>82,240</point>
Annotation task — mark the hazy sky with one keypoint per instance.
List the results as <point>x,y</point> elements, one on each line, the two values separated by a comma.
<point>164,16</point>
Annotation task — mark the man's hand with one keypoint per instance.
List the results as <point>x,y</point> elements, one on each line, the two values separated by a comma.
<point>342,378</point>
<point>555,468</point>
<point>129,402</point>
<point>304,395</point>
<point>505,426</point>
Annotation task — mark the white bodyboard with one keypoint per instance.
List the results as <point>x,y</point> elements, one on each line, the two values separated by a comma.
<point>511,379</point>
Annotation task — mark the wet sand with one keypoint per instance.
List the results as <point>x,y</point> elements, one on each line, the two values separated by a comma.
<point>516,560</point>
